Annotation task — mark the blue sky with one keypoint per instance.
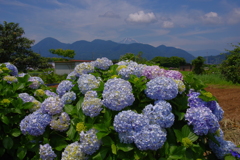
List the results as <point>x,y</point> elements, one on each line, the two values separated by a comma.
<point>186,24</point>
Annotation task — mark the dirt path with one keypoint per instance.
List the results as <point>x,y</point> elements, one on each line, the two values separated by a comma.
<point>228,99</point>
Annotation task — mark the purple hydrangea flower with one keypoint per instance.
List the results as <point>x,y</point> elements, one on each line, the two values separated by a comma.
<point>224,148</point>
<point>152,72</point>
<point>87,82</point>
<point>68,97</point>
<point>52,105</point>
<point>89,141</point>
<point>235,152</point>
<point>174,74</point>
<point>103,63</point>
<point>194,101</point>
<point>73,152</point>
<point>64,87</point>
<point>26,97</point>
<point>117,94</point>
<point>161,88</point>
<point>127,121</point>
<point>92,106</point>
<point>35,123</point>
<point>160,114</point>
<point>13,68</point>
<point>151,137</point>
<point>60,122</point>
<point>202,119</point>
<point>84,68</point>
<point>216,109</point>
<point>46,152</point>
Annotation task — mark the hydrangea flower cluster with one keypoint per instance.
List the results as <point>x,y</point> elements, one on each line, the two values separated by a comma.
<point>13,68</point>
<point>151,137</point>
<point>68,97</point>
<point>46,152</point>
<point>39,92</point>
<point>26,97</point>
<point>181,86</point>
<point>64,87</point>
<point>10,79</point>
<point>89,141</point>
<point>223,148</point>
<point>84,68</point>
<point>103,63</point>
<point>202,119</point>
<point>160,114</point>
<point>117,94</point>
<point>73,151</point>
<point>90,94</point>
<point>72,75</point>
<point>35,123</point>
<point>22,74</point>
<point>161,88</point>
<point>36,106</point>
<point>92,106</point>
<point>60,122</point>
<point>174,74</point>
<point>36,82</point>
<point>152,72</point>
<point>87,82</point>
<point>50,93</point>
<point>52,105</point>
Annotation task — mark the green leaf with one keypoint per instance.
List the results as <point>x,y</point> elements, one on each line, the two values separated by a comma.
<point>2,150</point>
<point>16,132</point>
<point>179,114</point>
<point>102,134</point>
<point>7,142</point>
<point>101,154</point>
<point>124,147</point>
<point>101,127</point>
<point>5,119</point>
<point>107,141</point>
<point>70,109</point>
<point>185,131</point>
<point>139,154</point>
<point>228,157</point>
<point>21,152</point>
<point>178,135</point>
<point>72,133</point>
<point>114,148</point>
<point>177,152</point>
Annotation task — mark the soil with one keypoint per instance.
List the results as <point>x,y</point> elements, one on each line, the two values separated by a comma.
<point>229,99</point>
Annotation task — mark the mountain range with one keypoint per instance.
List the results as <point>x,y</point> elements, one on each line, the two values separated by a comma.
<point>112,50</point>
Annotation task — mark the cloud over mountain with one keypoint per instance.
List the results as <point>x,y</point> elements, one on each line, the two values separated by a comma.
<point>141,17</point>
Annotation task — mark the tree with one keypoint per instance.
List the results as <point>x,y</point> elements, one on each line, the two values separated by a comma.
<point>64,53</point>
<point>16,49</point>
<point>169,61</point>
<point>198,65</point>
<point>230,68</point>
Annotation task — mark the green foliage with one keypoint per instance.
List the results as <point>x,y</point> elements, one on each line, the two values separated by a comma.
<point>16,49</point>
<point>65,53</point>
<point>230,68</point>
<point>174,61</point>
<point>50,77</point>
<point>198,65</point>
<point>136,58</point>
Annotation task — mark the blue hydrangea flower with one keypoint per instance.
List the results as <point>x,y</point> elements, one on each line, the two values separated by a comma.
<point>13,68</point>
<point>60,122</point>
<point>151,137</point>
<point>194,101</point>
<point>36,82</point>
<point>235,152</point>
<point>92,106</point>
<point>52,105</point>
<point>68,97</point>
<point>84,68</point>
<point>73,75</point>
<point>89,141</point>
<point>126,62</point>
<point>64,87</point>
<point>117,94</point>
<point>126,137</point>
<point>50,93</point>
<point>202,119</point>
<point>127,121</point>
<point>90,94</point>
<point>224,148</point>
<point>73,152</point>
<point>10,79</point>
<point>216,109</point>
<point>161,88</point>
<point>26,97</point>
<point>46,152</point>
<point>103,63</point>
<point>160,114</point>
<point>131,69</point>
<point>34,124</point>
<point>22,74</point>
<point>87,82</point>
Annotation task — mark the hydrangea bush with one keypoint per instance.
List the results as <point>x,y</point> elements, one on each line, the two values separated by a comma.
<point>110,111</point>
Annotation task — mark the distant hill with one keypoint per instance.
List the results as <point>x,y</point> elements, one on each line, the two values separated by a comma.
<point>215,59</point>
<point>205,52</point>
<point>128,41</point>
<point>100,48</point>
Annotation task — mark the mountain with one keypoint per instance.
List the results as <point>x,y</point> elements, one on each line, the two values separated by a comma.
<point>100,48</point>
<point>216,59</point>
<point>205,52</point>
<point>128,41</point>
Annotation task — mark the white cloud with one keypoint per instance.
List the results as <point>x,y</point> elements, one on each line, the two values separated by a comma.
<point>168,24</point>
<point>110,14</point>
<point>234,16</point>
<point>141,17</point>
<point>211,18</point>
